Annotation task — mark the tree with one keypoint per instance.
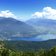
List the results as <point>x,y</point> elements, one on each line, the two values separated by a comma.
<point>5,52</point>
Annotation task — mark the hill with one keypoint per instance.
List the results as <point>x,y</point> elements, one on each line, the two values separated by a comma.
<point>46,28</point>
<point>10,27</point>
<point>30,45</point>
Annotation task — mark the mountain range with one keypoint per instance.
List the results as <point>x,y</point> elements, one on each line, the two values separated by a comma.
<point>12,29</point>
<point>33,34</point>
<point>31,30</point>
<point>46,28</point>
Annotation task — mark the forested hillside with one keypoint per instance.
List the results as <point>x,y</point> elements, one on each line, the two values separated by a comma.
<point>29,45</point>
<point>41,52</point>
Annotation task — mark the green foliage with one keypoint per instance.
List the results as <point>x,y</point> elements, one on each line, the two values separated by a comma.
<point>41,52</point>
<point>5,52</point>
<point>29,45</point>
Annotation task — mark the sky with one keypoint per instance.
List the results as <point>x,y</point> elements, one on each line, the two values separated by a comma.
<point>26,9</point>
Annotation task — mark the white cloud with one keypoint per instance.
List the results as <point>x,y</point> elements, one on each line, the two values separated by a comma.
<point>47,12</point>
<point>7,13</point>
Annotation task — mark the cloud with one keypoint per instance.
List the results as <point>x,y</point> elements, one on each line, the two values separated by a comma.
<point>7,13</point>
<point>47,12</point>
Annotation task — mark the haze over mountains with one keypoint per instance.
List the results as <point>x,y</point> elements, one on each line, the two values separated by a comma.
<point>31,30</point>
<point>45,27</point>
<point>12,29</point>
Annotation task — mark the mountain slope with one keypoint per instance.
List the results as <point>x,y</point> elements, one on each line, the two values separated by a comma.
<point>30,45</point>
<point>46,28</point>
<point>10,27</point>
<point>42,22</point>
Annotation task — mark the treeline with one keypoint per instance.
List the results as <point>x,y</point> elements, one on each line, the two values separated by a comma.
<point>41,52</point>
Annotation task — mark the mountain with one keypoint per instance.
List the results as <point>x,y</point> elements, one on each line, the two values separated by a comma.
<point>30,45</point>
<point>42,22</point>
<point>46,28</point>
<point>32,30</point>
<point>12,29</point>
